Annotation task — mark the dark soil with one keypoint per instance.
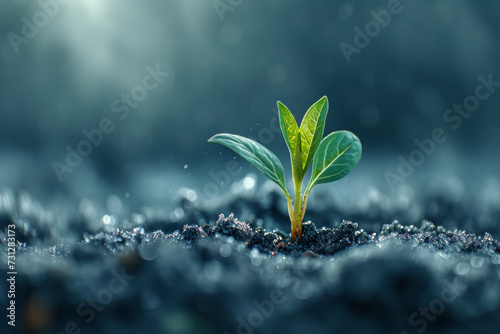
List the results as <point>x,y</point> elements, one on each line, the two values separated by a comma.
<point>145,274</point>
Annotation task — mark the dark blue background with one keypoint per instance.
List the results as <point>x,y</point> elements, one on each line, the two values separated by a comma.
<point>227,68</point>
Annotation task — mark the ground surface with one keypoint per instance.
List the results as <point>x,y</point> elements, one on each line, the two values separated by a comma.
<point>191,270</point>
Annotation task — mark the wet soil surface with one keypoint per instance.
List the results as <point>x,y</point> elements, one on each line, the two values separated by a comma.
<point>196,271</point>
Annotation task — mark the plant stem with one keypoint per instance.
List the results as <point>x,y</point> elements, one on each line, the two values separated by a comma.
<point>303,211</point>
<point>297,210</point>
<point>291,215</point>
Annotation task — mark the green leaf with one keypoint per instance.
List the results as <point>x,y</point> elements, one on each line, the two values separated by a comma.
<point>311,130</point>
<point>337,155</point>
<point>256,154</point>
<point>290,131</point>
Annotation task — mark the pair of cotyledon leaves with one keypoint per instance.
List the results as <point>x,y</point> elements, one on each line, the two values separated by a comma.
<point>335,156</point>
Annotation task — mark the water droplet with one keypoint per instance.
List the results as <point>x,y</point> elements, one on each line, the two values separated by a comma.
<point>138,230</point>
<point>177,214</point>
<point>186,166</point>
<point>477,262</point>
<point>138,218</point>
<point>147,252</point>
<point>108,220</point>
<point>255,257</point>
<point>191,195</point>
<point>413,242</point>
<point>462,268</point>
<point>303,290</point>
<point>225,250</point>
<point>248,182</point>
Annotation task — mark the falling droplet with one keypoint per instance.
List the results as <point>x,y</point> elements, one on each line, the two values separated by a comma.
<point>248,182</point>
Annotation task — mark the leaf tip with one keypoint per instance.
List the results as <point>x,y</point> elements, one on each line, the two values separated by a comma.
<point>325,99</point>
<point>212,139</point>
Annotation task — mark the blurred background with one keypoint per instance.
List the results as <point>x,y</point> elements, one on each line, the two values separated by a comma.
<point>105,112</point>
<point>161,77</point>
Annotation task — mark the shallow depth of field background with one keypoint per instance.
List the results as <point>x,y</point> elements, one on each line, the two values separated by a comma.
<point>228,64</point>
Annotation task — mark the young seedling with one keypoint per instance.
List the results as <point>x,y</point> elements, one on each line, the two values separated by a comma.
<point>332,157</point>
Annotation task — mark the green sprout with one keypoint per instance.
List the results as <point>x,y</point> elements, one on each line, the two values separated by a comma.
<point>332,157</point>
